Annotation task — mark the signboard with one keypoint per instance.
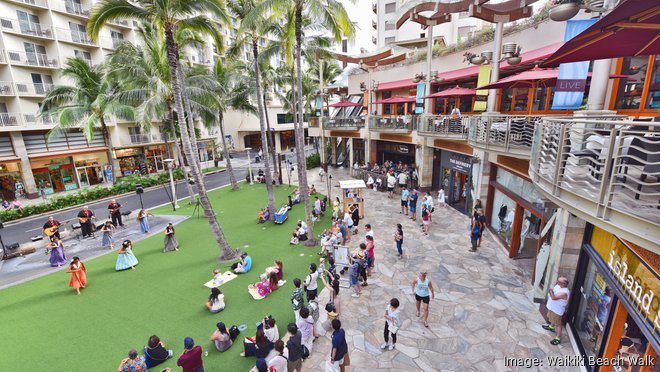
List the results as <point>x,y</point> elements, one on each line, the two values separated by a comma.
<point>318,106</point>
<point>419,99</point>
<point>456,161</point>
<point>403,149</point>
<point>572,77</point>
<point>481,99</point>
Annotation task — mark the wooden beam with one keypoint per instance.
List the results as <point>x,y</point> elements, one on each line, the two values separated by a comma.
<point>641,26</point>
<point>516,229</point>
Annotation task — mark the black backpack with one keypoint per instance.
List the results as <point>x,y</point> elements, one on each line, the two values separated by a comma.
<point>234,332</point>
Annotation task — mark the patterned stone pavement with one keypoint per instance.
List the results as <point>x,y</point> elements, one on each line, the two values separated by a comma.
<point>482,312</point>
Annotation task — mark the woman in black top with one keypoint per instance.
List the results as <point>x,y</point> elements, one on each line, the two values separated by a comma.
<point>155,352</point>
<point>257,346</point>
<point>355,216</point>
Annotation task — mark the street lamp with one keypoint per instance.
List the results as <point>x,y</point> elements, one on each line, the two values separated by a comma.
<point>139,190</point>
<point>170,168</point>
<point>249,164</point>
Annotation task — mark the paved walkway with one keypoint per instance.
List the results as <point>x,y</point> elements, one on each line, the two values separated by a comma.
<point>482,312</point>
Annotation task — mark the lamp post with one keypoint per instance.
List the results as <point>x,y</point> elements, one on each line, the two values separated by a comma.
<point>249,164</point>
<point>170,167</point>
<point>329,182</point>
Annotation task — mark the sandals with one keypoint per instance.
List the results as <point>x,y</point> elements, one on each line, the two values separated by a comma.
<point>556,341</point>
<point>548,327</point>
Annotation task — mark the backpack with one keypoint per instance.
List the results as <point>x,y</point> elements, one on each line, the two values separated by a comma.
<point>314,310</point>
<point>304,351</point>
<point>234,332</point>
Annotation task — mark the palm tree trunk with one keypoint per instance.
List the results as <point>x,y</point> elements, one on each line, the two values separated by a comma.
<point>300,133</point>
<point>262,125</point>
<point>227,252</point>
<point>189,119</point>
<point>230,169</point>
<point>179,154</point>
<point>111,158</point>
<point>277,174</point>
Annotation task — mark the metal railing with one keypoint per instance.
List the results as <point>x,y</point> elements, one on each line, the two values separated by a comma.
<point>443,126</point>
<point>147,138</point>
<point>70,7</point>
<point>32,59</point>
<point>26,27</point>
<point>79,37</point>
<point>33,89</point>
<point>606,168</point>
<point>396,123</point>
<point>503,133</point>
<point>39,3</point>
<point>343,122</point>
<point>110,42</point>
<point>6,88</point>
<point>34,119</point>
<point>9,119</point>
<point>120,22</point>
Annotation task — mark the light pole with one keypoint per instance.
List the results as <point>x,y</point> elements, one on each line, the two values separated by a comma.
<point>170,167</point>
<point>249,164</point>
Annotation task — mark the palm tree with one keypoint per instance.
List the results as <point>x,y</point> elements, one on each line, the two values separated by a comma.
<point>85,104</point>
<point>169,17</point>
<point>240,10</point>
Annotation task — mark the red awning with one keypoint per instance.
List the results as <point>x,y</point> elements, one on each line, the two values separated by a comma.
<point>631,29</point>
<point>345,104</point>
<point>453,92</point>
<point>540,77</point>
<point>395,99</point>
<point>397,84</point>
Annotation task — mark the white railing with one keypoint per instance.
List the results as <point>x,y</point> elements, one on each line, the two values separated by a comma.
<point>39,3</point>
<point>120,22</point>
<point>8,119</point>
<point>34,119</point>
<point>70,7</point>
<point>26,27</point>
<point>33,89</point>
<point>146,138</point>
<point>343,122</point>
<point>79,37</point>
<point>32,59</point>
<point>605,168</point>
<point>6,88</point>
<point>503,133</point>
<point>394,123</point>
<point>443,126</point>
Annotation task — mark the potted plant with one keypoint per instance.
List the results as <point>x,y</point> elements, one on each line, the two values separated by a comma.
<point>563,10</point>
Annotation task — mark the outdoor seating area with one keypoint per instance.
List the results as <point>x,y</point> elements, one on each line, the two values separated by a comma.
<point>506,133</point>
<point>444,125</point>
<point>401,123</point>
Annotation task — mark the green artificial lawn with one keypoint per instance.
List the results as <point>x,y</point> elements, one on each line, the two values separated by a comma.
<point>46,327</point>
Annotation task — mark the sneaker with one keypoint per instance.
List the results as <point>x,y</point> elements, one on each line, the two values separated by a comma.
<point>556,341</point>
<point>384,345</point>
<point>391,347</point>
<point>355,295</point>
<point>548,327</point>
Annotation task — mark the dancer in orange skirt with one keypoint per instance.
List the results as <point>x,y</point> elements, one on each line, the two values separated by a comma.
<point>78,274</point>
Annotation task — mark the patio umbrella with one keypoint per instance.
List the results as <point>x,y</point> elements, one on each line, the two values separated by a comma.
<point>453,92</point>
<point>536,77</point>
<point>395,100</point>
<point>631,29</point>
<point>345,104</point>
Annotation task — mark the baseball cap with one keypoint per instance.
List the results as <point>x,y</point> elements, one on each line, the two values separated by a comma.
<point>188,343</point>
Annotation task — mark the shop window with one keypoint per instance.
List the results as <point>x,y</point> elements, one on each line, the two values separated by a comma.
<point>507,97</point>
<point>653,99</point>
<point>520,100</point>
<point>540,96</point>
<point>502,218</point>
<point>629,94</point>
<point>465,104</point>
<point>439,106</point>
<point>390,8</point>
<point>595,303</point>
<point>451,103</point>
<point>386,108</point>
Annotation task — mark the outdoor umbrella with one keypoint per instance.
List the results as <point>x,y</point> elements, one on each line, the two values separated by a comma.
<point>395,100</point>
<point>345,104</point>
<point>453,92</point>
<point>536,77</point>
<point>631,29</point>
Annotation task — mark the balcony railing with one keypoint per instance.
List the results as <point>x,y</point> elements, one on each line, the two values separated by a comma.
<point>33,89</point>
<point>393,123</point>
<point>606,171</point>
<point>8,119</point>
<point>503,133</point>
<point>79,37</point>
<point>3,60</point>
<point>6,88</point>
<point>147,138</point>
<point>120,22</point>
<point>34,119</point>
<point>443,126</point>
<point>351,122</point>
<point>37,3</point>
<point>70,7</point>
<point>26,28</point>
<point>32,59</point>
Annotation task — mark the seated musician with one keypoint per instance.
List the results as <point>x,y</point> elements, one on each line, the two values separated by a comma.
<point>85,217</point>
<point>312,190</point>
<point>51,227</point>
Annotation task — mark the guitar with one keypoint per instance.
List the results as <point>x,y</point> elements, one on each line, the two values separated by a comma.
<point>113,210</point>
<point>84,219</point>
<point>50,231</point>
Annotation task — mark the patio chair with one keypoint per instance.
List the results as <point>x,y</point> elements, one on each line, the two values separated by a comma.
<point>646,154</point>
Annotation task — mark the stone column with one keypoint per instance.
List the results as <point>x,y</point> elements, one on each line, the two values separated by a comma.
<point>425,168</point>
<point>26,168</point>
<point>333,149</point>
<point>351,157</point>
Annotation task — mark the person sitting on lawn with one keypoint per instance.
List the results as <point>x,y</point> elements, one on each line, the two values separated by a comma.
<point>217,278</point>
<point>302,231</point>
<point>271,331</point>
<point>221,337</point>
<point>261,178</point>
<point>289,202</point>
<point>266,286</point>
<point>312,190</point>
<point>261,216</point>
<point>134,362</point>
<point>296,198</point>
<point>277,269</point>
<point>244,265</point>
<point>216,302</point>
<point>258,345</point>
<point>294,238</point>
<point>155,352</point>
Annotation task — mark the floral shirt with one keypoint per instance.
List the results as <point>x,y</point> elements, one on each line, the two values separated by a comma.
<point>137,364</point>
<point>297,299</point>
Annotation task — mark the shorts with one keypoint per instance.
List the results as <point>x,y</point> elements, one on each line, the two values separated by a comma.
<point>354,280</point>
<point>370,261</point>
<point>425,222</point>
<point>413,208</point>
<point>553,318</point>
<point>404,203</point>
<point>425,299</point>
<point>474,243</point>
<point>390,189</point>
<point>402,185</point>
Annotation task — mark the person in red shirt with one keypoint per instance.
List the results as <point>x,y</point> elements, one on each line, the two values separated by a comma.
<point>191,359</point>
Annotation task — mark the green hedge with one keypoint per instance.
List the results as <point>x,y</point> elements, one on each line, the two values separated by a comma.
<point>90,194</point>
<point>313,161</point>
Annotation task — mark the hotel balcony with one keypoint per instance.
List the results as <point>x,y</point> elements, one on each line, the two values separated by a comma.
<point>32,30</point>
<point>35,4</point>
<point>35,120</point>
<point>3,60</point>
<point>32,59</point>
<point>345,123</point>
<point>74,37</point>
<point>33,89</point>
<point>146,138</point>
<point>504,134</point>
<point>9,119</point>
<point>6,88</point>
<point>122,23</point>
<point>443,126</point>
<point>69,7</point>
<point>110,42</point>
<point>607,172</point>
<point>395,124</point>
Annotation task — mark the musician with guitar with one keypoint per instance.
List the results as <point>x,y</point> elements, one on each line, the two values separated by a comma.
<point>115,213</point>
<point>85,217</point>
<point>51,227</point>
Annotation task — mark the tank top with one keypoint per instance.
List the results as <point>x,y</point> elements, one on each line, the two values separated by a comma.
<point>422,288</point>
<point>558,306</point>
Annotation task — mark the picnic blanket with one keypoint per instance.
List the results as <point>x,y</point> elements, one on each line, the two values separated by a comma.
<point>254,292</point>
<point>226,276</point>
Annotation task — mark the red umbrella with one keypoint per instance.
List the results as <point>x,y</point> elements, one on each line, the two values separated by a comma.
<point>538,76</point>
<point>453,92</point>
<point>345,104</point>
<point>396,99</point>
<point>631,29</point>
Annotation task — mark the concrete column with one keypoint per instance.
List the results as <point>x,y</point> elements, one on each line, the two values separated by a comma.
<point>278,143</point>
<point>600,78</point>
<point>367,149</point>
<point>481,182</point>
<point>425,168</point>
<point>429,58</point>
<point>351,157</point>
<point>333,149</point>
<point>495,71</point>
<point>26,168</point>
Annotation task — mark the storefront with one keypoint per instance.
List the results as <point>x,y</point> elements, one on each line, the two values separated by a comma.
<point>11,182</point>
<point>54,174</point>
<point>452,171</point>
<point>396,152</point>
<point>515,212</point>
<point>129,160</point>
<point>89,168</point>
<point>614,308</point>
<point>155,156</point>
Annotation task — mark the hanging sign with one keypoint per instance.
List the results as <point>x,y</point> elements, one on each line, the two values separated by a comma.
<point>481,99</point>
<point>419,99</point>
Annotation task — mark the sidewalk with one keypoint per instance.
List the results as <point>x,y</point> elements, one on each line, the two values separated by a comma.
<point>483,310</point>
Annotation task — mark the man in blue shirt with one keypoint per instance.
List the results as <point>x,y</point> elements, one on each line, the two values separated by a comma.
<point>404,200</point>
<point>244,265</point>
<point>413,205</point>
<point>339,348</point>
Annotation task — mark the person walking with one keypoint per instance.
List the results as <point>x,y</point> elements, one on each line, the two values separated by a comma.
<point>353,273</point>
<point>371,254</point>
<point>108,230</point>
<point>557,303</point>
<point>429,205</point>
<point>474,235</point>
<point>391,182</point>
<point>421,287</point>
<point>404,200</point>
<point>398,239</point>
<point>425,219</point>
<point>441,198</point>
<point>339,351</point>
<point>392,324</point>
<point>297,298</point>
<point>412,203</point>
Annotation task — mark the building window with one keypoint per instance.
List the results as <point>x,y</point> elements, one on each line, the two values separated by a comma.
<point>84,55</point>
<point>629,94</point>
<point>390,8</point>
<point>390,40</point>
<point>389,26</point>
<point>344,45</point>
<point>653,99</point>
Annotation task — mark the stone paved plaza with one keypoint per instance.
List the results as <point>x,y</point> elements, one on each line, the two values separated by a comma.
<point>482,312</point>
